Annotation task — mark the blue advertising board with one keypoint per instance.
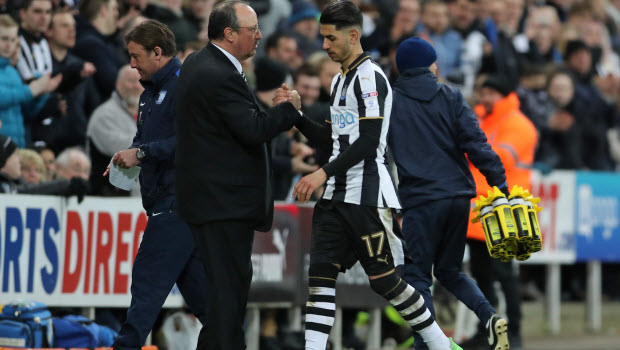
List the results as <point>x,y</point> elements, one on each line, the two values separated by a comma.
<point>597,216</point>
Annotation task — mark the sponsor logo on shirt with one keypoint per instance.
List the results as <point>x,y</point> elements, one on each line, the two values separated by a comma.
<point>371,103</point>
<point>341,120</point>
<point>370,94</point>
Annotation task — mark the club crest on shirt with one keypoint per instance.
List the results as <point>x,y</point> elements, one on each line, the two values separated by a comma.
<point>343,92</point>
<point>160,98</point>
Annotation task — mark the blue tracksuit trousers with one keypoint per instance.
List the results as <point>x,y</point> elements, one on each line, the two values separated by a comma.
<point>436,233</point>
<point>167,255</point>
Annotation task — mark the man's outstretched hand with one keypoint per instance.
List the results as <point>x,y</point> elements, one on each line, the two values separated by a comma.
<point>283,94</point>
<point>304,188</point>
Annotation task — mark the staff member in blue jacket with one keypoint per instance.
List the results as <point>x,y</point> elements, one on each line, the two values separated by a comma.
<point>167,253</point>
<point>432,129</point>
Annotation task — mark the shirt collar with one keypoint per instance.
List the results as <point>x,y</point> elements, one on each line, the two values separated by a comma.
<point>232,58</point>
<point>30,37</point>
<point>159,78</point>
<point>363,57</point>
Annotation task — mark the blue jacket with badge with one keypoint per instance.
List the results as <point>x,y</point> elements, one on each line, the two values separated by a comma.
<point>156,136</point>
<point>431,130</point>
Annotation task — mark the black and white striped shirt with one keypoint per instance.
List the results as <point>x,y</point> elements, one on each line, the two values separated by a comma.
<point>35,58</point>
<point>359,95</point>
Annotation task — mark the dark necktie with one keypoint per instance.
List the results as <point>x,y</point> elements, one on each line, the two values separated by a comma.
<point>268,193</point>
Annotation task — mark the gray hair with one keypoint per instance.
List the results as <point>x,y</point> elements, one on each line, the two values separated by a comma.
<point>65,156</point>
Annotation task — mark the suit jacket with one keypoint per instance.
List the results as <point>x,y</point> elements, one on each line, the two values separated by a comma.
<point>223,167</point>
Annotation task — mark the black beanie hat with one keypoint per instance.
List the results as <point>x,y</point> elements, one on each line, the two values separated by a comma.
<point>498,83</point>
<point>269,74</point>
<point>7,147</point>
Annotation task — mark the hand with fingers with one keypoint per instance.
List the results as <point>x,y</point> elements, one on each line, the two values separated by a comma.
<point>107,171</point>
<point>126,159</point>
<point>284,94</point>
<point>44,84</point>
<point>88,69</point>
<point>304,188</point>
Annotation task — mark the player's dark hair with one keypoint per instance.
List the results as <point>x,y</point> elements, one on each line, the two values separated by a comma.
<point>342,14</point>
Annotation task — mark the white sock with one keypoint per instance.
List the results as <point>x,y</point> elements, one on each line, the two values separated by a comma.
<point>410,304</point>
<point>316,340</point>
<point>434,338</point>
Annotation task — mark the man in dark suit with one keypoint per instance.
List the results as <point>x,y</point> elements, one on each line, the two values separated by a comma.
<point>223,165</point>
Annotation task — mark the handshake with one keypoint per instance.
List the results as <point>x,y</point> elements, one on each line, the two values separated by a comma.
<point>283,94</point>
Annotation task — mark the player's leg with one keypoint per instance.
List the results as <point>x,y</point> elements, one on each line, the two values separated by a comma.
<point>410,304</point>
<point>379,248</point>
<point>327,253</point>
<point>321,304</point>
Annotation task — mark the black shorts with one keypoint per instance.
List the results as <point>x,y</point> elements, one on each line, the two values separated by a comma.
<point>344,233</point>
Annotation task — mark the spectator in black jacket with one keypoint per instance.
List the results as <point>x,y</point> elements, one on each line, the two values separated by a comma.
<point>560,145</point>
<point>600,115</point>
<point>97,42</point>
<point>61,36</point>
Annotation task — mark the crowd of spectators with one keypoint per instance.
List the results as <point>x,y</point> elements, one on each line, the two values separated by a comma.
<point>64,67</point>
<point>69,100</point>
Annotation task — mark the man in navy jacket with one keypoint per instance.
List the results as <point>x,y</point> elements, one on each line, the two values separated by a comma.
<point>167,253</point>
<point>432,129</point>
